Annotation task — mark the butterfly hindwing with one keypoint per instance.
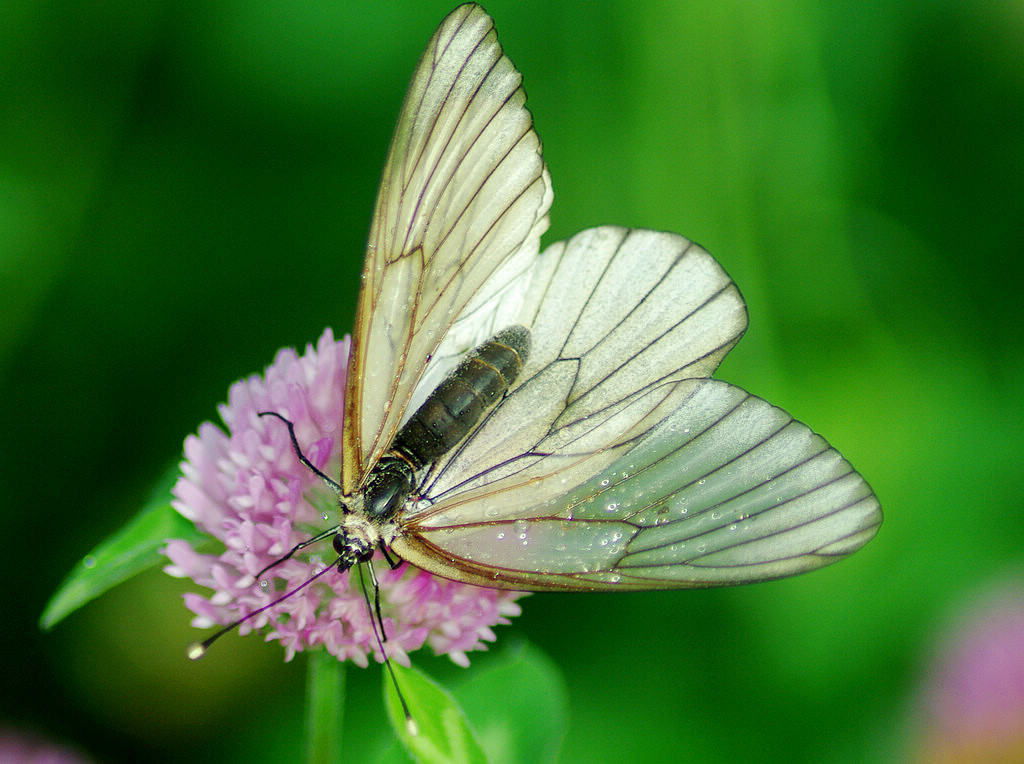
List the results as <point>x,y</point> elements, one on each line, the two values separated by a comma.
<point>727,489</point>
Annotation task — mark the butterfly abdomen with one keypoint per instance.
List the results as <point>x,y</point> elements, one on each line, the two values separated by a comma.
<point>447,416</point>
<point>457,404</point>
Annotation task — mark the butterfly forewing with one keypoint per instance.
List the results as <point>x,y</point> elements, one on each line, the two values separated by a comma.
<point>463,197</point>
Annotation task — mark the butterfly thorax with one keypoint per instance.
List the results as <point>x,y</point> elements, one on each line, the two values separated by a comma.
<point>391,482</point>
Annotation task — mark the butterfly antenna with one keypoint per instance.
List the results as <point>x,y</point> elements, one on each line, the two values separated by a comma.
<point>410,723</point>
<point>332,484</point>
<point>198,649</point>
<point>319,537</point>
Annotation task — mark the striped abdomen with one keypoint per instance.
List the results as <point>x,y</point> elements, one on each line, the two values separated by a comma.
<point>446,417</point>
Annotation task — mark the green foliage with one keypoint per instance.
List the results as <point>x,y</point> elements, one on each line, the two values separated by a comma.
<point>438,732</point>
<point>512,710</point>
<point>518,705</point>
<point>126,553</point>
<point>325,703</point>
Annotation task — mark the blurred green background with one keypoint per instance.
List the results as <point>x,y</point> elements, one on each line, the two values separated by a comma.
<point>185,188</point>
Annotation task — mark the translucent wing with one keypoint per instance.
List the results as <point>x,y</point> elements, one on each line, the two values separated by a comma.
<point>614,462</point>
<point>727,489</point>
<point>464,197</point>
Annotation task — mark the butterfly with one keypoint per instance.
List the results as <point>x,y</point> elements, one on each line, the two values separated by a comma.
<point>546,420</point>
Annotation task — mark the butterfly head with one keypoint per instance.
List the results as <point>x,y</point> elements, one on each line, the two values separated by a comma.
<point>355,541</point>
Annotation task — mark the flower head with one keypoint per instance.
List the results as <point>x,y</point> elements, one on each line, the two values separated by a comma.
<point>18,745</point>
<point>973,704</point>
<point>246,488</point>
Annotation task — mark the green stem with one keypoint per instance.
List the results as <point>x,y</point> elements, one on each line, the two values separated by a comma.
<point>325,705</point>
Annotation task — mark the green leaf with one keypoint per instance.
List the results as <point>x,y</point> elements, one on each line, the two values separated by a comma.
<point>126,553</point>
<point>518,706</point>
<point>443,733</point>
<point>515,700</point>
<point>325,703</point>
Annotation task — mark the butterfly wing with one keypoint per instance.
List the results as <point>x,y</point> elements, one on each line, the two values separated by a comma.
<point>615,462</point>
<point>463,200</point>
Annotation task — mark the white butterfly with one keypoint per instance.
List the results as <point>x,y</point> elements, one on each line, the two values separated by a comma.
<point>602,455</point>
